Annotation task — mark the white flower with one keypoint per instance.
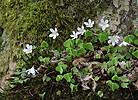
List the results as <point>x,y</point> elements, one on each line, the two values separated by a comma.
<point>81,30</point>
<point>54,33</point>
<point>122,64</point>
<point>74,35</point>
<point>124,44</point>
<point>113,40</point>
<point>89,23</point>
<point>85,87</point>
<point>103,24</point>
<point>32,71</point>
<point>28,49</point>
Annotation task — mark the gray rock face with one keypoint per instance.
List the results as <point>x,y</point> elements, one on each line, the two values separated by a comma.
<point>122,15</point>
<point>4,53</point>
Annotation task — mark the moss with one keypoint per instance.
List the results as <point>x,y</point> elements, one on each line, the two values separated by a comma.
<point>30,20</point>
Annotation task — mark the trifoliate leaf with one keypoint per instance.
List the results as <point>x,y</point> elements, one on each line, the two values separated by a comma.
<point>59,69</point>
<point>69,43</point>
<point>44,45</point>
<point>124,79</point>
<point>88,33</point>
<point>59,77</point>
<point>103,37</point>
<point>96,78</point>
<point>46,78</point>
<point>88,46</point>
<point>68,77</point>
<point>124,85</point>
<point>78,41</point>
<point>115,86</point>
<point>115,78</point>
<point>100,93</point>
<point>73,87</point>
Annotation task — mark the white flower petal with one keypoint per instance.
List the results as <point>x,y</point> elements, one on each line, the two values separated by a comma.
<point>107,25</point>
<point>106,21</point>
<point>89,21</point>
<point>103,28</point>
<point>124,44</point>
<point>86,23</point>
<point>25,50</point>
<point>78,28</point>
<point>51,30</point>
<point>27,45</point>
<point>109,41</point>
<point>55,29</point>
<point>85,87</point>
<point>28,49</point>
<point>92,22</point>
<point>102,20</point>
<point>54,37</point>
<point>57,34</point>
<point>51,35</point>
<point>113,43</point>
<point>32,71</point>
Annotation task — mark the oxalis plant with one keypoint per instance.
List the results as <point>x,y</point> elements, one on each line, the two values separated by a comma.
<point>90,56</point>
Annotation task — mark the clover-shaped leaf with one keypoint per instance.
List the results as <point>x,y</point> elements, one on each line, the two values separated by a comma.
<point>68,77</point>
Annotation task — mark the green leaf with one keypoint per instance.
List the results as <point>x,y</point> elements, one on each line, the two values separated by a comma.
<point>42,96</point>
<point>97,56</point>
<point>58,93</point>
<point>111,70</point>
<point>135,53</point>
<point>75,70</point>
<point>124,85</point>
<point>136,33</point>
<point>45,60</point>
<point>68,58</point>
<point>113,86</point>
<point>44,45</point>
<point>64,66</point>
<point>59,77</point>
<point>100,93</point>
<point>80,52</point>
<point>59,69</point>
<point>136,42</point>
<point>114,61</point>
<point>46,78</point>
<point>78,41</point>
<point>88,46</point>
<point>96,78</point>
<point>103,37</point>
<point>68,77</point>
<point>129,38</point>
<point>115,78</point>
<point>73,87</point>
<point>70,51</point>
<point>88,34</point>
<point>68,43</point>
<point>124,79</point>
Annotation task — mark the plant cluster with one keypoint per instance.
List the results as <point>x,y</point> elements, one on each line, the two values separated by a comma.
<point>93,58</point>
